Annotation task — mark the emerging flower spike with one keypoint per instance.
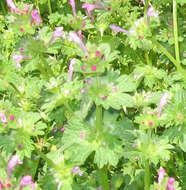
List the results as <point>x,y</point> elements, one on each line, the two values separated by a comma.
<point>76,170</point>
<point>73,5</point>
<point>161,175</point>
<point>151,13</point>
<point>14,160</point>
<point>35,17</point>
<point>117,29</point>
<point>71,69</point>
<point>18,58</point>
<point>27,181</point>
<point>170,185</point>
<point>143,1</point>
<point>75,38</point>
<point>12,6</point>
<point>90,8</point>
<point>1,186</point>
<point>3,118</point>
<point>163,101</point>
<point>58,33</point>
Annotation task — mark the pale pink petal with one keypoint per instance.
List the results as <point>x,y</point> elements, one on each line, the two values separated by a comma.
<point>73,5</point>
<point>27,181</point>
<point>71,69</point>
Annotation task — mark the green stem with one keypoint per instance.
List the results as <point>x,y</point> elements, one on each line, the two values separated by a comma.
<point>68,108</point>
<point>147,177</point>
<point>147,59</point>
<point>49,7</point>
<point>99,119</point>
<point>15,88</point>
<point>49,161</point>
<point>146,10</point>
<point>104,178</point>
<point>171,58</point>
<point>3,8</point>
<point>176,31</point>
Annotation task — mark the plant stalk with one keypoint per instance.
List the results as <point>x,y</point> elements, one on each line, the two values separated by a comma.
<point>99,118</point>
<point>147,177</point>
<point>171,58</point>
<point>103,178</point>
<point>176,42</point>
<point>3,8</point>
<point>49,7</point>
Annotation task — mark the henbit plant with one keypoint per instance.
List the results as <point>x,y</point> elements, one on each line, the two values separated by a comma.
<point>89,98</point>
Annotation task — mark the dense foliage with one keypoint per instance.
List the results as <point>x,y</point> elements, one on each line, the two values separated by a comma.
<point>92,94</point>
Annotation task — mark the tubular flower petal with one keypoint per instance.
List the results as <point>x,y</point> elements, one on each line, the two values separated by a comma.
<point>76,170</point>
<point>12,6</point>
<point>58,33</point>
<point>161,175</point>
<point>71,69</point>
<point>143,1</point>
<point>90,8</point>
<point>151,13</point>
<point>35,17</point>
<point>170,185</point>
<point>163,101</point>
<point>73,5</point>
<point>3,118</point>
<point>117,29</point>
<point>14,160</point>
<point>18,58</point>
<point>75,38</point>
<point>27,181</point>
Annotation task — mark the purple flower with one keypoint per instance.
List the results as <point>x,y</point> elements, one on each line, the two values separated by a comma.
<point>117,29</point>
<point>161,175</point>
<point>14,160</point>
<point>170,185</point>
<point>151,13</point>
<point>27,181</point>
<point>90,8</point>
<point>73,5</point>
<point>3,118</point>
<point>18,58</point>
<point>35,17</point>
<point>71,69</point>
<point>76,170</point>
<point>58,33</point>
<point>75,38</point>
<point>12,6</point>
<point>163,101</point>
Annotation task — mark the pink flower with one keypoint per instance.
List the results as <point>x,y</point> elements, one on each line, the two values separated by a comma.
<point>27,181</point>
<point>184,54</point>
<point>58,33</point>
<point>163,101</point>
<point>150,123</point>
<point>117,29</point>
<point>103,97</point>
<point>161,175</point>
<point>98,53</point>
<point>3,118</point>
<point>90,8</point>
<point>93,68</point>
<point>76,170</point>
<point>170,185</point>
<point>9,185</point>
<point>82,91</point>
<point>73,5</point>
<point>12,6</point>
<point>83,67</point>
<point>82,135</point>
<point>14,160</point>
<point>71,69</point>
<point>75,38</point>
<point>18,58</point>
<point>11,117</point>
<point>35,17</point>
<point>62,129</point>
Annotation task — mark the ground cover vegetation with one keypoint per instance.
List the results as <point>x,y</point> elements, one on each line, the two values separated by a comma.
<point>92,94</point>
